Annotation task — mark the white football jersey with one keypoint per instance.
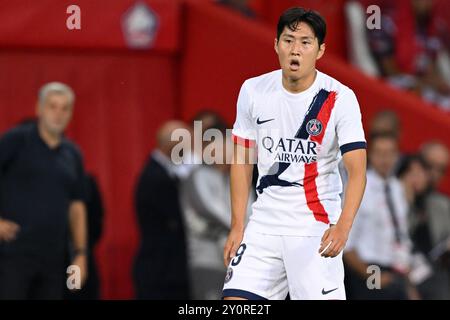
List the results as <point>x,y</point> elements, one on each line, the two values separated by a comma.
<point>300,139</point>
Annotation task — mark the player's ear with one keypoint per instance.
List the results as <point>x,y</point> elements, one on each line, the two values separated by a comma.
<point>276,45</point>
<point>321,51</point>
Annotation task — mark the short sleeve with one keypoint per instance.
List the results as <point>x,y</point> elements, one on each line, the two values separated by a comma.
<point>244,129</point>
<point>10,144</point>
<point>349,129</point>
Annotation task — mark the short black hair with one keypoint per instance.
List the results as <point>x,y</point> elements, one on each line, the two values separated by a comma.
<point>217,120</point>
<point>293,16</point>
<point>407,161</point>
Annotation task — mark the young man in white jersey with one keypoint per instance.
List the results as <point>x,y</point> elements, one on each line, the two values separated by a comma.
<point>300,122</point>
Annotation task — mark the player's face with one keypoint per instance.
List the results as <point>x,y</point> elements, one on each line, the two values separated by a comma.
<point>55,113</point>
<point>383,156</point>
<point>298,51</point>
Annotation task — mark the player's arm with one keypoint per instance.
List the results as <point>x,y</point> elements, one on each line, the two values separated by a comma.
<point>336,236</point>
<point>78,230</point>
<point>240,183</point>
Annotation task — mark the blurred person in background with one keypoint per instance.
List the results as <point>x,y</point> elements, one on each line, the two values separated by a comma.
<point>406,48</point>
<point>41,197</point>
<point>208,119</point>
<point>430,224</point>
<point>95,213</point>
<point>202,121</point>
<point>160,269</point>
<point>211,119</point>
<point>385,121</point>
<point>412,172</point>
<point>436,156</point>
<point>206,203</point>
<point>380,232</point>
<point>413,175</point>
<point>240,6</point>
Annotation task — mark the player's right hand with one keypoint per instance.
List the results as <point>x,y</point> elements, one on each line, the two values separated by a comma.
<point>8,230</point>
<point>231,246</point>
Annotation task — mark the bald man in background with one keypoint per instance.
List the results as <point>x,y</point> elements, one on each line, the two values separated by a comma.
<point>160,270</point>
<point>430,226</point>
<point>437,158</point>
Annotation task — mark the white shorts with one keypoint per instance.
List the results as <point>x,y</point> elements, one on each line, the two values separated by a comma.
<point>271,266</point>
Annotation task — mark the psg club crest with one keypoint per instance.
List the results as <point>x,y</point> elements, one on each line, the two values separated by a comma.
<point>139,26</point>
<point>229,275</point>
<point>314,127</point>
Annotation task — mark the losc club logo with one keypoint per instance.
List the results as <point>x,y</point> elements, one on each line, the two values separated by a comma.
<point>139,26</point>
<point>314,127</point>
<point>229,275</point>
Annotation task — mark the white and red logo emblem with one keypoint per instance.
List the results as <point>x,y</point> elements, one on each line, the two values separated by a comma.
<point>139,25</point>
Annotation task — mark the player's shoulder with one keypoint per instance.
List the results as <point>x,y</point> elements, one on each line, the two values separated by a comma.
<point>263,84</point>
<point>331,84</point>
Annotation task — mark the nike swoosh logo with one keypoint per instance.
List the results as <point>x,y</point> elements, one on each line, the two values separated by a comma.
<point>329,291</point>
<point>262,121</point>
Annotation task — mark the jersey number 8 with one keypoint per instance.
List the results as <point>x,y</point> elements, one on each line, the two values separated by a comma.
<point>239,254</point>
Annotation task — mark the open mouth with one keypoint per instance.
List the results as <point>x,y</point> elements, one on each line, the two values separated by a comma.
<point>294,64</point>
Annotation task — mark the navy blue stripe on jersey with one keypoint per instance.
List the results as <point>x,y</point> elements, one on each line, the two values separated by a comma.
<point>353,146</point>
<point>312,112</point>
<point>274,179</point>
<point>241,294</point>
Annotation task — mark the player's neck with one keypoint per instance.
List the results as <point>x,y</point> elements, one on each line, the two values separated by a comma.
<point>299,85</point>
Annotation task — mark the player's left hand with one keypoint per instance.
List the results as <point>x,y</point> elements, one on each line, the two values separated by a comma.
<point>333,241</point>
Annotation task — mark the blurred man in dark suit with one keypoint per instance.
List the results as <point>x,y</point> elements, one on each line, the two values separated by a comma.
<point>160,270</point>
